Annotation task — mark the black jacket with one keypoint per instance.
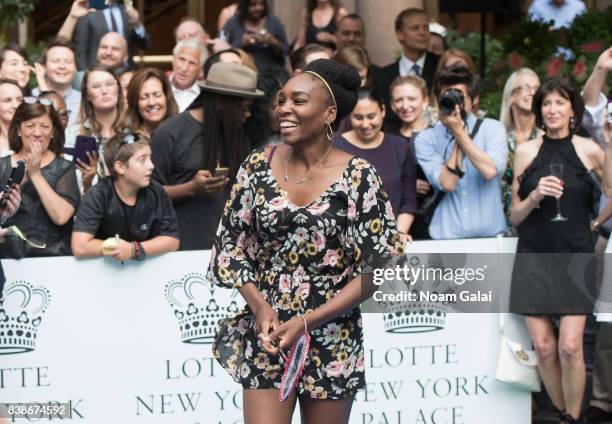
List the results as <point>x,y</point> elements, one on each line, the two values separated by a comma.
<point>384,77</point>
<point>102,214</point>
<point>89,31</point>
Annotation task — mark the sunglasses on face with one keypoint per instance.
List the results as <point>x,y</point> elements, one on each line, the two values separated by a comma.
<point>32,100</point>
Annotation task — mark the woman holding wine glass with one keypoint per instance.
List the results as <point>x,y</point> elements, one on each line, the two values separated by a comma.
<point>553,196</point>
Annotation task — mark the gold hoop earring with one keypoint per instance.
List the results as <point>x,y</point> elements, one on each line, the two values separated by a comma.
<point>329,132</point>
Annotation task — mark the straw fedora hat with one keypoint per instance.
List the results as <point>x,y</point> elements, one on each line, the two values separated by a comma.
<point>231,79</point>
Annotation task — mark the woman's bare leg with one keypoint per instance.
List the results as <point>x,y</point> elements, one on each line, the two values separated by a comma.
<point>543,337</point>
<point>573,370</point>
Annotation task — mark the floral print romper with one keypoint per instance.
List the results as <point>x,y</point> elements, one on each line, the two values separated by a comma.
<point>300,257</point>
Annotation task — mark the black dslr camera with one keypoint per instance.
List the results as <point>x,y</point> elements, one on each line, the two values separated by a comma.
<point>449,100</point>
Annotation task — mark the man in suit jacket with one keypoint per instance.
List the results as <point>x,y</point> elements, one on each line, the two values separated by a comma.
<point>352,32</point>
<point>412,32</point>
<point>116,18</point>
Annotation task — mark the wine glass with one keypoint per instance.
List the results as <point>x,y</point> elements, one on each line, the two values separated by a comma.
<point>556,170</point>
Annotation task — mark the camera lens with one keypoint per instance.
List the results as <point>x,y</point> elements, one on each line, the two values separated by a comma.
<point>449,100</point>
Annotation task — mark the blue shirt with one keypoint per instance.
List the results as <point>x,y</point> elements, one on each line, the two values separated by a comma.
<point>475,208</point>
<point>562,16</point>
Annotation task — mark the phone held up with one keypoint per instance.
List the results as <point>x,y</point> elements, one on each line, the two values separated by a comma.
<point>82,146</point>
<point>221,171</point>
<point>98,4</point>
<point>14,180</point>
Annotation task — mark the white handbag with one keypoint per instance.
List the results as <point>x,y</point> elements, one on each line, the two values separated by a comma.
<point>516,365</point>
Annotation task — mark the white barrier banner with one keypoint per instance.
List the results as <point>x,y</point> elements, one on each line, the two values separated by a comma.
<point>131,344</point>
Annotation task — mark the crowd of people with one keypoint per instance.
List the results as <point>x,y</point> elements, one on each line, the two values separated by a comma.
<point>349,163</point>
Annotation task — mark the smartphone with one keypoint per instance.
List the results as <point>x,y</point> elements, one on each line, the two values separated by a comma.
<point>14,180</point>
<point>82,146</point>
<point>98,4</point>
<point>221,172</point>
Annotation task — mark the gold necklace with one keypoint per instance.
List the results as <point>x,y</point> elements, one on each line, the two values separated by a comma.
<point>286,178</point>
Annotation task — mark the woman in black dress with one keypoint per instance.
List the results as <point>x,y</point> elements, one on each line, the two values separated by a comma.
<point>553,272</point>
<point>303,223</point>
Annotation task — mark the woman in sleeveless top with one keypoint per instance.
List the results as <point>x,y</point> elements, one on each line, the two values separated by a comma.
<point>553,270</point>
<point>319,23</point>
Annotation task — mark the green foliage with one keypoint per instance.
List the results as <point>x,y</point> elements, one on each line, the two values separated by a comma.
<point>490,102</point>
<point>470,43</point>
<point>13,11</point>
<point>35,49</point>
<point>532,40</point>
<point>591,26</point>
<point>534,45</point>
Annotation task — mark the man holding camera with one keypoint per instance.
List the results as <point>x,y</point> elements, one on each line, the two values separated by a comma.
<point>463,158</point>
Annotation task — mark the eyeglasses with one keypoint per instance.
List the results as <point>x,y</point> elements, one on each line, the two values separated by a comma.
<point>33,100</point>
<point>525,88</point>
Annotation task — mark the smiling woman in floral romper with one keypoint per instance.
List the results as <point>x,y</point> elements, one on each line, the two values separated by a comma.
<point>304,221</point>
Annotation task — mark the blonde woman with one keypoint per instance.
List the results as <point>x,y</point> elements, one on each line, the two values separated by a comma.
<point>357,58</point>
<point>519,120</point>
<point>409,101</point>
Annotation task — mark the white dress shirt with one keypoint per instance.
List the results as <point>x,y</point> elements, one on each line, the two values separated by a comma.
<point>406,66</point>
<point>185,97</point>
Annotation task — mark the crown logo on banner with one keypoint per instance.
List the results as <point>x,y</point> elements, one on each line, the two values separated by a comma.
<point>419,316</point>
<point>416,318</point>
<point>21,310</point>
<point>193,303</point>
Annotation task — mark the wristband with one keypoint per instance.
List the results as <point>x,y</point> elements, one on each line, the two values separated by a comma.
<point>133,254</point>
<point>140,253</point>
